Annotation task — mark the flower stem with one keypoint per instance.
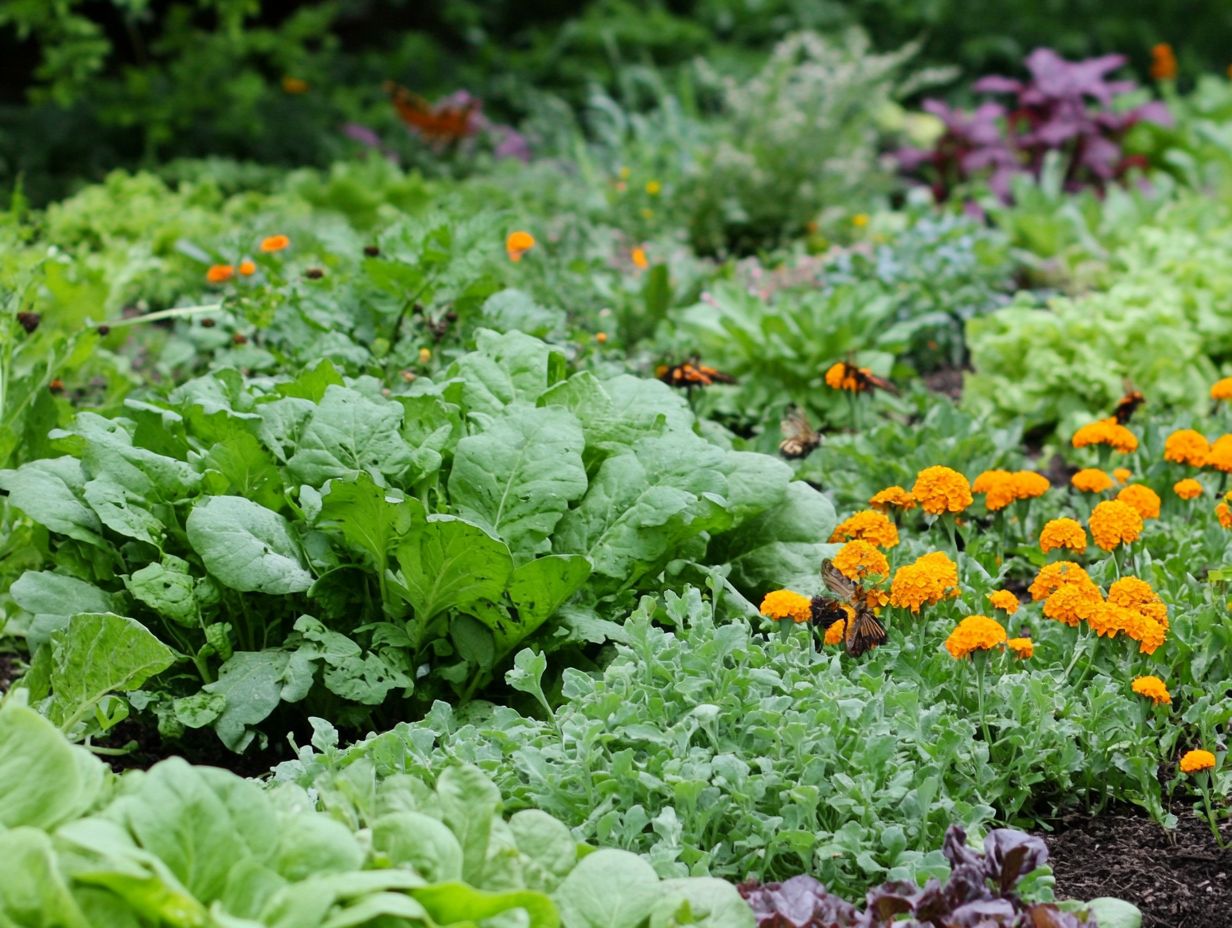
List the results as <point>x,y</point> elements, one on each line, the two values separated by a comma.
<point>1205,790</point>
<point>175,313</point>
<point>981,658</point>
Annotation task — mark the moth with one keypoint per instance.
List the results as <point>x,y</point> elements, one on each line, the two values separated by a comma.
<point>691,373</point>
<point>799,438</point>
<point>443,123</point>
<point>864,631</point>
<point>1128,404</point>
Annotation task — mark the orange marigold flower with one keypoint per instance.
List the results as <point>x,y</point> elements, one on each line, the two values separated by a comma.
<point>1187,488</point>
<point>1114,522</point>
<point>785,604</point>
<point>1223,514</point>
<point>858,559</point>
<point>838,630</point>
<point>997,486</point>
<point>1027,484</point>
<point>1073,603</point>
<point>1153,689</point>
<point>892,496</point>
<point>1023,648</point>
<point>974,633</point>
<point>1122,474</point>
<point>941,489</point>
<point>219,273</point>
<point>1136,594</point>
<point>1106,432</point>
<point>1063,533</point>
<point>1052,577</point>
<point>518,243</point>
<point>1186,446</point>
<point>1142,498</point>
<point>1004,600</point>
<point>272,243</point>
<point>247,268</point>
<point>1091,480</point>
<point>1220,455</point>
<point>640,261</point>
<point>1222,389</point>
<point>869,525</point>
<point>1197,761</point>
<point>1141,628</point>
<point>1163,62</point>
<point>1108,619</point>
<point>929,579</point>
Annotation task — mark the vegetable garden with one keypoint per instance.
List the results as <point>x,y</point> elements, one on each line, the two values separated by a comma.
<point>718,469</point>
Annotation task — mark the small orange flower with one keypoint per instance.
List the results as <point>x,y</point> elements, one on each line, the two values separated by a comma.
<point>974,633</point>
<point>1004,600</point>
<point>1052,577</point>
<point>1163,62</point>
<point>1121,474</point>
<point>1186,446</point>
<point>219,273</point>
<point>1023,648</point>
<point>1153,689</point>
<point>894,496</point>
<point>1220,455</point>
<point>1063,533</point>
<point>1091,480</point>
<point>272,243</point>
<point>1223,514</point>
<point>858,559</point>
<point>1197,761</point>
<point>869,525</point>
<point>1222,389</point>
<point>929,579</point>
<point>1106,432</point>
<point>785,604</point>
<point>838,630</point>
<point>247,268</point>
<point>997,487</point>
<point>1109,619</point>
<point>1073,603</point>
<point>1187,488</point>
<point>640,261</point>
<point>1027,484</point>
<point>941,490</point>
<point>517,244</point>
<point>1136,594</point>
<point>1114,522</point>
<point>1142,498</point>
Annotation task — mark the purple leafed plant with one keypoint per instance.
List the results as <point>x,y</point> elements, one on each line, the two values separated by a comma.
<point>1069,107</point>
<point>980,893</point>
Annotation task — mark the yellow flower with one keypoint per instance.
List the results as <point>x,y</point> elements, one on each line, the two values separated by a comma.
<point>869,525</point>
<point>1121,474</point>
<point>1063,533</point>
<point>654,188</point>
<point>941,489</point>
<point>640,261</point>
<point>785,604</point>
<point>929,579</point>
<point>1114,522</point>
<point>1106,432</point>
<point>859,559</point>
<point>1072,603</point>
<point>272,243</point>
<point>859,220</point>
<point>1186,446</point>
<point>974,633</point>
<point>892,496</point>
<point>1054,576</point>
<point>1091,480</point>
<point>1187,488</point>
<point>1197,761</point>
<point>518,243</point>
<point>425,355</point>
<point>1142,498</point>
<point>1004,600</point>
<point>219,273</point>
<point>1220,455</point>
<point>1153,689</point>
<point>1023,648</point>
<point>1222,389</point>
<point>1137,595</point>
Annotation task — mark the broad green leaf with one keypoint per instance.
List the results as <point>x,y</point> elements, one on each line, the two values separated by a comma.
<point>351,674</point>
<point>50,492</point>
<point>548,845</point>
<point>514,310</point>
<point>505,368</point>
<point>537,589</point>
<point>1115,913</point>
<point>421,842</point>
<point>349,433</point>
<point>312,383</point>
<point>240,466</point>
<point>282,421</point>
<point>167,588</point>
<point>253,684</point>
<point>246,546</point>
<point>430,426</point>
<point>519,475</point>
<point>52,598</point>
<point>755,482</point>
<point>608,889</point>
<point>122,511</point>
<point>44,780</point>
<point>702,901</point>
<point>450,903</point>
<point>470,804</point>
<point>35,892</point>
<point>371,518</point>
<point>97,654</point>
<point>108,451</point>
<point>450,562</point>
<point>315,845</point>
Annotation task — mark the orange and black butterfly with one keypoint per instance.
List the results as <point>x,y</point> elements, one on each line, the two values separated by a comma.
<point>1128,404</point>
<point>865,380</point>
<point>864,630</point>
<point>799,438</point>
<point>691,373</point>
<point>442,124</point>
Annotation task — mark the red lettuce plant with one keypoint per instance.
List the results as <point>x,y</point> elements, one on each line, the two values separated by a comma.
<point>979,893</point>
<point>1068,107</point>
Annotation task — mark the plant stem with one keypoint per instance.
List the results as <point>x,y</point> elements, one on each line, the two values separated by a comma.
<point>176,313</point>
<point>981,659</point>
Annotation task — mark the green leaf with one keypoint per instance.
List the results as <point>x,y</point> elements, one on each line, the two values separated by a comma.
<point>470,804</point>
<point>513,310</point>
<point>349,433</point>
<point>246,546</point>
<point>702,901</point>
<point>371,518</point>
<point>108,451</point>
<point>537,589</point>
<point>97,654</point>
<point>52,598</point>
<point>253,684</point>
<point>505,368</point>
<point>450,903</point>
<point>519,475</point>
<point>1115,913</point>
<point>44,780</point>
<point>50,492</point>
<point>548,846</point>
<point>450,562</point>
<point>526,676</point>
<point>167,588</point>
<point>608,889</point>
<point>421,842</point>
<point>36,893</point>
<point>121,511</point>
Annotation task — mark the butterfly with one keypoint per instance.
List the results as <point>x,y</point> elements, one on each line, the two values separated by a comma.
<point>691,373</point>
<point>799,438</point>
<point>865,380</point>
<point>864,630</point>
<point>1128,404</point>
<point>444,123</point>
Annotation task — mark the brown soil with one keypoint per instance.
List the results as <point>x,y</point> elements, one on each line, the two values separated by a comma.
<point>197,747</point>
<point>1179,878</point>
<point>948,381</point>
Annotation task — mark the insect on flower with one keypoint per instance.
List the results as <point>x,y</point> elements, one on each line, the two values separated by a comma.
<point>691,373</point>
<point>864,630</point>
<point>799,438</point>
<point>1128,404</point>
<point>445,123</point>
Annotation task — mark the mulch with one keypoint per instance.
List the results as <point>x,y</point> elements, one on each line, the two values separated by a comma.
<point>1179,878</point>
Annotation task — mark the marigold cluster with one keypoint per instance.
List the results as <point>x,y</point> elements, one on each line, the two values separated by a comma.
<point>1143,499</point>
<point>1220,455</point>
<point>1187,488</point>
<point>1004,600</point>
<point>1197,761</point>
<point>868,525</point>
<point>1113,523</point>
<point>1063,533</point>
<point>518,243</point>
<point>858,559</point>
<point>1138,595</point>
<point>1091,480</point>
<point>1153,689</point>
<point>928,580</point>
<point>1141,628</point>
<point>974,633</point>
<point>1108,619</point>
<point>1222,389</point>
<point>1054,576</point>
<point>941,489</point>
<point>1002,487</point>
<point>1073,603</point>
<point>894,496</point>
<point>1186,446</point>
<point>1023,648</point>
<point>1106,432</point>
<point>786,604</point>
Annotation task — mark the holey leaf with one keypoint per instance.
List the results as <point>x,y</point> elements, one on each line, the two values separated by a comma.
<point>518,476</point>
<point>246,546</point>
<point>449,562</point>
